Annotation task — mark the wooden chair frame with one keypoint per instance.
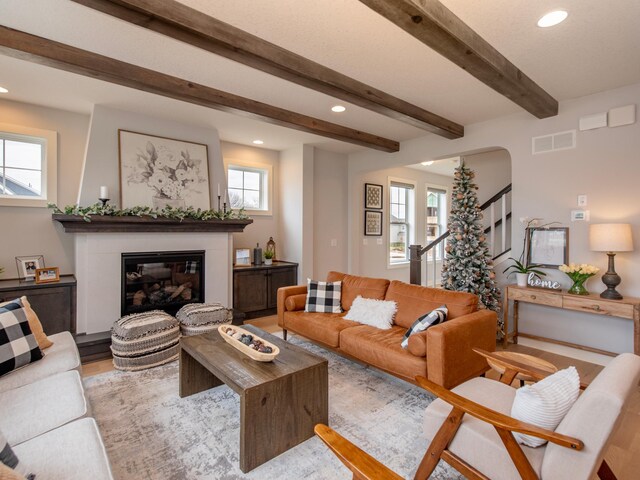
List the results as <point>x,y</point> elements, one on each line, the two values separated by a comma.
<point>365,467</point>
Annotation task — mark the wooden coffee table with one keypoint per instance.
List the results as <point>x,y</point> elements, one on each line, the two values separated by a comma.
<point>280,401</point>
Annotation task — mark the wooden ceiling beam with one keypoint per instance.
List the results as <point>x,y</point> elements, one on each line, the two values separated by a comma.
<point>437,27</point>
<point>191,26</point>
<point>25,46</point>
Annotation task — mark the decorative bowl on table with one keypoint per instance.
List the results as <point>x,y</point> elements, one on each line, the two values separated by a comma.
<point>248,343</point>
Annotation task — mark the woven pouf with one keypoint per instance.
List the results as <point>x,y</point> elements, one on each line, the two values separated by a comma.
<point>197,318</point>
<point>144,340</point>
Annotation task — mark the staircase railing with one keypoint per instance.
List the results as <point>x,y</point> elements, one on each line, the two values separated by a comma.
<point>416,252</point>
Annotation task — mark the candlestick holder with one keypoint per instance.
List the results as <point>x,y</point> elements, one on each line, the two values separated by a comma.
<point>218,202</point>
<point>104,201</point>
<point>224,207</point>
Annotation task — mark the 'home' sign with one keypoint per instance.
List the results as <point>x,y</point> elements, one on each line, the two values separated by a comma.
<point>534,281</point>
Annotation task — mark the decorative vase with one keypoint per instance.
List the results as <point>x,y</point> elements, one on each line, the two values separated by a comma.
<point>578,287</point>
<point>521,279</point>
<point>268,261</point>
<point>160,202</point>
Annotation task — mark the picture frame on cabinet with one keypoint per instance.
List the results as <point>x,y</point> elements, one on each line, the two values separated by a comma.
<point>27,266</point>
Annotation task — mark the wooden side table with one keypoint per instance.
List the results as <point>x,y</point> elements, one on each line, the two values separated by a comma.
<point>628,308</point>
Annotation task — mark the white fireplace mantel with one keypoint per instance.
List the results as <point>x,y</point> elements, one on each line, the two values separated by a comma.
<point>98,263</point>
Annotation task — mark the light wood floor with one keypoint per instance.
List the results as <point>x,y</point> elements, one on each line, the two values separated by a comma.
<point>623,454</point>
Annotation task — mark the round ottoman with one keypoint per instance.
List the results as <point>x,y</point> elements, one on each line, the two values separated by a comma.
<point>197,318</point>
<point>144,340</point>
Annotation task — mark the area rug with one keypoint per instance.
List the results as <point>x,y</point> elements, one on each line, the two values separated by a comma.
<point>151,433</point>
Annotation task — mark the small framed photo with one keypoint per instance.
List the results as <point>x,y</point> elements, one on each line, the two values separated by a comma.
<point>243,256</point>
<point>373,196</point>
<point>372,223</point>
<point>548,247</point>
<point>47,275</point>
<point>28,265</point>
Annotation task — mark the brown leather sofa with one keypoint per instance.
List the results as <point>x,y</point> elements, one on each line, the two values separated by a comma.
<point>442,353</point>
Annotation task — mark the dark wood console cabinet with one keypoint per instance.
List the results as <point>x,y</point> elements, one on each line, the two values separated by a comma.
<point>255,288</point>
<point>55,303</point>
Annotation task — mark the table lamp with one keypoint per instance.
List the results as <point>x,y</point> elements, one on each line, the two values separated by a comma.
<point>611,238</point>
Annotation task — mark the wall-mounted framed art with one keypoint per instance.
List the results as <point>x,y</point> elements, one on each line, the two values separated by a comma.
<point>372,223</point>
<point>373,196</point>
<point>548,246</point>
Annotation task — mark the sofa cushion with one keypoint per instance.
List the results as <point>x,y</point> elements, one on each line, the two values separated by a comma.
<point>18,345</point>
<point>295,302</point>
<point>477,442</point>
<point>34,409</point>
<point>381,348</point>
<point>323,297</point>
<point>73,451</point>
<point>352,286</point>
<point>61,357</point>
<point>414,301</point>
<point>321,327</point>
<point>34,324</point>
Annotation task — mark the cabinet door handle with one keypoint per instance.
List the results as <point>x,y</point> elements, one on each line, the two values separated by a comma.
<point>596,308</point>
<point>533,297</point>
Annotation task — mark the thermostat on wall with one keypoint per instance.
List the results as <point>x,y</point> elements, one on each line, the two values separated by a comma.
<point>579,215</point>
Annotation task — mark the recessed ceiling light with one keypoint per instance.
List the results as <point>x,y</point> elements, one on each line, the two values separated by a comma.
<point>338,108</point>
<point>427,164</point>
<point>552,18</point>
<point>3,90</point>
<point>258,142</point>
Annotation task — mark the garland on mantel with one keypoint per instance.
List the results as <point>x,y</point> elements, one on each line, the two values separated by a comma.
<point>166,212</point>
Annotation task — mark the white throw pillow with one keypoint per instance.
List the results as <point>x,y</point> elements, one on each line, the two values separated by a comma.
<point>545,403</point>
<point>377,313</point>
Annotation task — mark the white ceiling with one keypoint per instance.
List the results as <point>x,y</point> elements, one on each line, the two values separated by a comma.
<point>595,49</point>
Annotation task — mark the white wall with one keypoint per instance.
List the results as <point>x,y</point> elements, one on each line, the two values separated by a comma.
<point>296,208</point>
<point>101,165</point>
<point>373,257</point>
<point>605,166</point>
<point>330,213</point>
<point>32,232</point>
<point>263,226</point>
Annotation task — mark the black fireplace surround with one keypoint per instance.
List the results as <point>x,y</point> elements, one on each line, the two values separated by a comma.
<point>161,281</point>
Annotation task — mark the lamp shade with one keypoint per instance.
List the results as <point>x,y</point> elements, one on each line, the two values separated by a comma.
<point>610,237</point>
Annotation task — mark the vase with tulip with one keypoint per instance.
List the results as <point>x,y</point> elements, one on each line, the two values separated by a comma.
<point>578,273</point>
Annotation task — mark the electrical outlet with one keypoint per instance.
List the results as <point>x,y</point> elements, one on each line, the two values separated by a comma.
<point>334,242</point>
<point>379,241</point>
<point>365,241</point>
<point>582,200</point>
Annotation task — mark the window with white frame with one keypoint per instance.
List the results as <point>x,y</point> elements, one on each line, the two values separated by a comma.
<point>400,221</point>
<point>248,188</point>
<point>22,166</point>
<point>28,166</point>
<point>436,221</point>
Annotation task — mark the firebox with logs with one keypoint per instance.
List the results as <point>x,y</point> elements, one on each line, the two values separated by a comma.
<point>161,281</point>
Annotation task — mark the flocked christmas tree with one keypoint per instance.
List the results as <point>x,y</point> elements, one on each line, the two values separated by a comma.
<point>468,266</point>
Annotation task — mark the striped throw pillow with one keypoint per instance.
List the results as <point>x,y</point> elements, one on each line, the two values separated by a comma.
<point>18,345</point>
<point>434,317</point>
<point>8,458</point>
<point>545,403</point>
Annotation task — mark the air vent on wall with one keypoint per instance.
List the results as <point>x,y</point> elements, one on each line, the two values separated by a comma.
<point>553,142</point>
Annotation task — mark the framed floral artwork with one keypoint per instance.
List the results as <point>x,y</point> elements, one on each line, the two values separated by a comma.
<point>159,172</point>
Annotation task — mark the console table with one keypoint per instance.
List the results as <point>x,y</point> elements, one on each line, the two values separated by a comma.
<point>628,308</point>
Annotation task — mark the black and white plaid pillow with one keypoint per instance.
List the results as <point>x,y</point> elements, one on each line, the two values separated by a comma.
<point>434,317</point>
<point>8,458</point>
<point>323,297</point>
<point>18,346</point>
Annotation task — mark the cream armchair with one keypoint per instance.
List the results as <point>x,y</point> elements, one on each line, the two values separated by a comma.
<point>469,427</point>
